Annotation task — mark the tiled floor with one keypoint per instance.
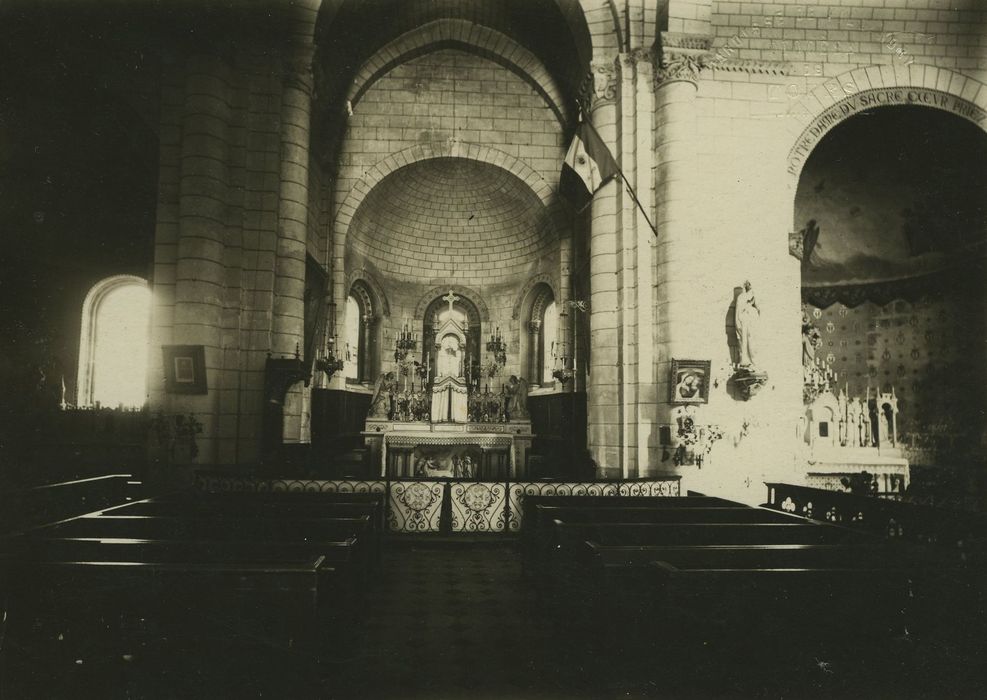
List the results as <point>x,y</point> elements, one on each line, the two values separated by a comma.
<point>454,621</point>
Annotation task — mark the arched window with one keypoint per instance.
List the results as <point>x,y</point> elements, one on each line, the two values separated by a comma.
<point>550,331</point>
<point>359,342</point>
<point>113,344</point>
<point>541,343</point>
<point>351,339</point>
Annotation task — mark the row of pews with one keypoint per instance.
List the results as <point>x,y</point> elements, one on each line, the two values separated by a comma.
<point>283,572</point>
<point>736,594</point>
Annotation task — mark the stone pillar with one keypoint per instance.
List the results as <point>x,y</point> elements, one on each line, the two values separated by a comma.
<point>288,331</point>
<point>200,269</point>
<point>367,351</point>
<point>645,278</point>
<point>679,245</point>
<point>536,357</point>
<point>604,409</point>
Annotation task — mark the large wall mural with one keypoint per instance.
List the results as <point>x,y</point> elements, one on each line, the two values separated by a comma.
<point>892,193</point>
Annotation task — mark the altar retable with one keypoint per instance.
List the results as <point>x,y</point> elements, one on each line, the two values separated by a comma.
<point>450,391</point>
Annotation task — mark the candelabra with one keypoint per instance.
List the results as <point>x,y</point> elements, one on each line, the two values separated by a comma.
<point>326,360</point>
<point>497,347</point>
<point>405,342</point>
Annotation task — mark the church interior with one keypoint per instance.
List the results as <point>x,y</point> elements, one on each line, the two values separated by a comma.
<point>493,348</point>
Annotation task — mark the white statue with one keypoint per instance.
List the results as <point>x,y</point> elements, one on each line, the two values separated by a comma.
<point>449,360</point>
<point>746,316</point>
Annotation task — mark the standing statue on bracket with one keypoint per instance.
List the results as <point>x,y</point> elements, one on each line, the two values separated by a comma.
<point>747,380</point>
<point>516,390</point>
<point>380,404</point>
<point>746,317</point>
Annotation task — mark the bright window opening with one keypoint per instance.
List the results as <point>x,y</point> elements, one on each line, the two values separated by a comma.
<point>550,329</point>
<point>351,342</point>
<point>113,352</point>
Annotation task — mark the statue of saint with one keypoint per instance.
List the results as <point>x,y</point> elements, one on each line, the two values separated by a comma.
<point>517,398</point>
<point>380,403</point>
<point>449,390</point>
<point>746,316</point>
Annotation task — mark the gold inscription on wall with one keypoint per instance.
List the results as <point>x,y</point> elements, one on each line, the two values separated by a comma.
<point>868,99</point>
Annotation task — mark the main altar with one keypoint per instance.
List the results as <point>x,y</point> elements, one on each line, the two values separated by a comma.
<point>432,419</point>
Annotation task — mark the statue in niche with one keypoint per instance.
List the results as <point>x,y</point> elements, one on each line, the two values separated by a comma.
<point>746,317</point>
<point>380,403</point>
<point>449,361</point>
<point>853,423</point>
<point>449,391</point>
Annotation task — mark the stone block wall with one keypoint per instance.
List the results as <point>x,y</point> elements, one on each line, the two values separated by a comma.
<point>232,213</point>
<point>777,77</point>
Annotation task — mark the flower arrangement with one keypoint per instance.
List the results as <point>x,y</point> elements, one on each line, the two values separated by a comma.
<point>695,441</point>
<point>490,369</point>
<point>172,431</point>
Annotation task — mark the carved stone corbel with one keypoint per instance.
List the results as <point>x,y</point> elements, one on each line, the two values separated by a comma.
<point>599,86</point>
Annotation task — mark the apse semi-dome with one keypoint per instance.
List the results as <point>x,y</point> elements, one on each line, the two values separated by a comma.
<point>452,217</point>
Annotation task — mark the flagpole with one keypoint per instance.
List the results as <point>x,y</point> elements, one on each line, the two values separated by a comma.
<point>627,183</point>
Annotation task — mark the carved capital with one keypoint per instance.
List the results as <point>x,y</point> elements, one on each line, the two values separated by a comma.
<point>625,65</point>
<point>679,67</point>
<point>682,57</point>
<point>600,85</point>
<point>534,327</point>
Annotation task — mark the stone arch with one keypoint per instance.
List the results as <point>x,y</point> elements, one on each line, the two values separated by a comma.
<point>471,295</point>
<point>843,96</point>
<point>523,296</point>
<point>443,149</point>
<point>466,36</point>
<point>602,19</point>
<point>376,296</point>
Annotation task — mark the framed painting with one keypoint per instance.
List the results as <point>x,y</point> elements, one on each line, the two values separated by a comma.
<point>689,381</point>
<point>185,369</point>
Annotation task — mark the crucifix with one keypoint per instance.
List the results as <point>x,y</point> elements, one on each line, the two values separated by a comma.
<point>451,298</point>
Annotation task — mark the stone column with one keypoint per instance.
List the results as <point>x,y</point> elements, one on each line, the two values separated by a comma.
<point>200,268</point>
<point>679,244</point>
<point>365,359</point>
<point>288,323</point>
<point>535,356</point>
<point>604,409</point>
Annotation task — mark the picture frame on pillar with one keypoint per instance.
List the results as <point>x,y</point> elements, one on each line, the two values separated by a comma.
<point>185,369</point>
<point>689,381</point>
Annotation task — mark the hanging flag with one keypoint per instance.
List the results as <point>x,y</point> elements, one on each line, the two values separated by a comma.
<point>587,166</point>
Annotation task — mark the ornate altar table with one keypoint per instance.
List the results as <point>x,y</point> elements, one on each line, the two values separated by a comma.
<point>453,450</point>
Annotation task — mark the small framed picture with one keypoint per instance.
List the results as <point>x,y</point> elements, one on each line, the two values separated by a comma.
<point>185,369</point>
<point>689,381</point>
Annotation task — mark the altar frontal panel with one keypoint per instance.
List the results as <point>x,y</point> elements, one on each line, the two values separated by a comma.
<point>415,506</point>
<point>478,506</point>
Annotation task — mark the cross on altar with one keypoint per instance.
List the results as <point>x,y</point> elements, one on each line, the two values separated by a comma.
<point>451,298</point>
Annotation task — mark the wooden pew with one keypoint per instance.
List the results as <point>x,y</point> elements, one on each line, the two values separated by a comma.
<point>532,528</point>
<point>542,541</point>
<point>234,509</point>
<point>303,503</point>
<point>21,509</point>
<point>210,527</point>
<point>288,601</point>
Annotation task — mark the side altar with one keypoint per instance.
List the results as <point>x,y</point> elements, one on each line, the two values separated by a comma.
<point>432,420</point>
<point>851,441</point>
